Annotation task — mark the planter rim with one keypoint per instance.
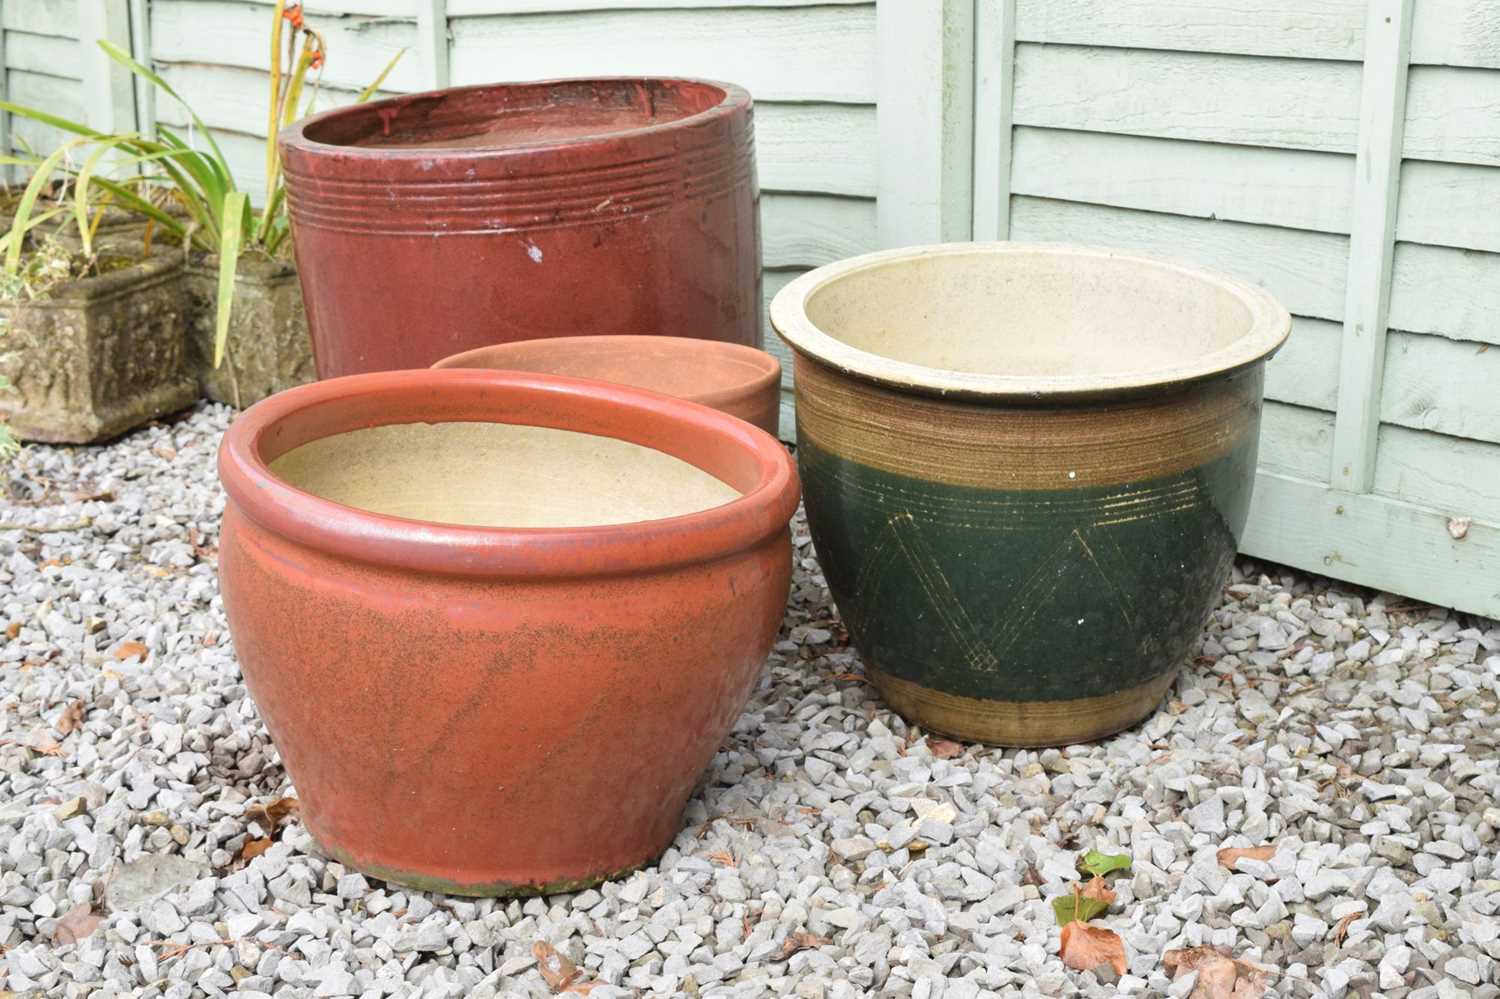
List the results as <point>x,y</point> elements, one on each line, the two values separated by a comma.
<point>438,396</point>
<point>1270,323</point>
<point>295,138</point>
<point>82,292</point>
<point>768,367</point>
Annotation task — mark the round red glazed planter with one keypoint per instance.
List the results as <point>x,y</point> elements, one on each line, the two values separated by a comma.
<point>729,377</point>
<point>439,222</point>
<point>495,710</point>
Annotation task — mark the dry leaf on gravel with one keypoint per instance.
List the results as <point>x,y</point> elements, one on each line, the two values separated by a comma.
<point>723,858</point>
<point>1342,929</point>
<point>254,848</point>
<point>1085,947</point>
<point>72,717</point>
<point>75,924</point>
<point>272,815</point>
<point>944,749</point>
<point>1097,888</point>
<point>130,650</point>
<point>801,940</point>
<point>1220,976</point>
<point>1232,854</point>
<point>13,629</point>
<point>560,974</point>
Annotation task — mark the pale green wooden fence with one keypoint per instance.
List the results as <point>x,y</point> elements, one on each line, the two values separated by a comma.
<point>1344,153</point>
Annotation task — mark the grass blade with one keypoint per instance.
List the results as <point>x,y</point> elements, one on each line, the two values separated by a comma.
<point>229,257</point>
<point>50,119</point>
<point>81,188</point>
<point>369,91</point>
<point>122,57</point>
<point>33,191</point>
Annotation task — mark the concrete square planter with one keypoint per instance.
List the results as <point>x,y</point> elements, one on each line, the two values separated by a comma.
<point>269,348</point>
<point>100,357</point>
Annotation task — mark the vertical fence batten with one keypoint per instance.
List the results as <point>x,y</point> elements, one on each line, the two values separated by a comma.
<point>994,91</point>
<point>1377,176</point>
<point>432,35</point>
<point>140,50</point>
<point>108,88</point>
<point>924,121</point>
<point>6,171</point>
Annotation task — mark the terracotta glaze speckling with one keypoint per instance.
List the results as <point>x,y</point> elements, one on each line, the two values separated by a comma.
<point>1026,471</point>
<point>434,223</point>
<point>498,623</point>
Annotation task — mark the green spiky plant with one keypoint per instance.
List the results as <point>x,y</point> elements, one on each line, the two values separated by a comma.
<point>216,214</point>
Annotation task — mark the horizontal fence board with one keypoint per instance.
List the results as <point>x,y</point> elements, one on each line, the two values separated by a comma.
<point>1453,293</point>
<point>1374,541</point>
<point>800,147</point>
<point>809,230</point>
<point>213,32</point>
<point>1449,204</point>
<point>317,10</point>
<point>1296,441</point>
<point>1305,371</point>
<point>1453,115</point>
<point>1285,187</point>
<point>1447,386</point>
<point>1449,474</point>
<point>471,8</point>
<point>229,98</point>
<point>1305,270</point>
<point>1291,103</point>
<point>825,148</point>
<point>1456,33</point>
<point>46,54</point>
<point>41,17</point>
<point>787,53</point>
<point>55,95</point>
<point>1309,29</point>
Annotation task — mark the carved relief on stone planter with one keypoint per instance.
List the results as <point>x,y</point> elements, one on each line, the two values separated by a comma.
<point>268,348</point>
<point>97,358</point>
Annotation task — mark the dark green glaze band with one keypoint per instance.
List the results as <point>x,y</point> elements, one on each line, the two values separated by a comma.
<point>1025,595</point>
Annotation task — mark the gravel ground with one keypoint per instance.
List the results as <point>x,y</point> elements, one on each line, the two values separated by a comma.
<point>832,851</point>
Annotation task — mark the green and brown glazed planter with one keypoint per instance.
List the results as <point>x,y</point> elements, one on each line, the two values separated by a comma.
<point>1026,470</point>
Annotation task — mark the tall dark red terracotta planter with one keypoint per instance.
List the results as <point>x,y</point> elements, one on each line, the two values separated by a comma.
<point>435,223</point>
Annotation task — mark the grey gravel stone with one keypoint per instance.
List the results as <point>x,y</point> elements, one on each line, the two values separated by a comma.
<point>1355,732</point>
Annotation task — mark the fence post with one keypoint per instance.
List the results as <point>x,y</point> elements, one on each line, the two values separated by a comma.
<point>1377,178</point>
<point>432,39</point>
<point>108,93</point>
<point>925,121</point>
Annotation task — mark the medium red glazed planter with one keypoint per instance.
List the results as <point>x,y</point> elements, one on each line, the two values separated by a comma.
<point>492,710</point>
<point>730,377</point>
<point>435,223</point>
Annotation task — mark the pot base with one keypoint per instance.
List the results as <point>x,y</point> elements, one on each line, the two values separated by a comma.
<point>484,889</point>
<point>1025,724</point>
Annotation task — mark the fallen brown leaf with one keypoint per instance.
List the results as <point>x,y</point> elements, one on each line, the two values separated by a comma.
<point>130,650</point>
<point>851,677</point>
<point>72,717</point>
<point>1341,930</point>
<point>45,746</point>
<point>801,940</point>
<point>1232,854</point>
<point>13,629</point>
<point>723,858</point>
<point>1099,889</point>
<point>945,749</point>
<point>1085,947</point>
<point>254,848</point>
<point>560,974</point>
<point>272,815</point>
<point>1219,975</point>
<point>75,924</point>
